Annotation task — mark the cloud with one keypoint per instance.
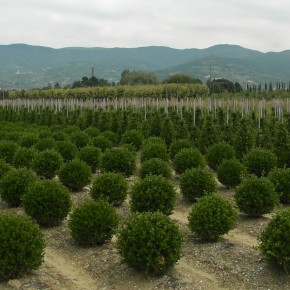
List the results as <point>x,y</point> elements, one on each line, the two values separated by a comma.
<point>127,23</point>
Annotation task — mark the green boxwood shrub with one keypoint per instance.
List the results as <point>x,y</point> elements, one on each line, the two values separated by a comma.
<point>150,242</point>
<point>155,166</point>
<point>14,184</point>
<point>177,145</point>
<point>196,182</point>
<point>102,142</point>
<point>92,131</point>
<point>45,143</point>
<point>110,186</point>
<point>118,160</point>
<point>80,139</point>
<point>22,246</point>
<point>133,137</point>
<point>230,173</point>
<point>211,217</point>
<point>28,140</point>
<point>218,152</point>
<point>46,163</point>
<point>153,139</point>
<point>7,150</point>
<point>48,202</point>
<point>154,150</point>
<point>259,161</point>
<point>110,135</point>
<point>66,149</point>
<point>256,196</point>
<point>281,180</point>
<point>24,157</point>
<point>4,168</point>
<point>75,174</point>
<point>274,241</point>
<point>93,223</point>
<point>188,158</point>
<point>60,136</point>
<point>91,155</point>
<point>153,193</point>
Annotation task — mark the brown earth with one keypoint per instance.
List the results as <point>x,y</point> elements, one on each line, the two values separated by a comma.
<point>233,263</point>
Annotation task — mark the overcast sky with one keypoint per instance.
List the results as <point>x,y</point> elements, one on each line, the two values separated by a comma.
<point>257,24</point>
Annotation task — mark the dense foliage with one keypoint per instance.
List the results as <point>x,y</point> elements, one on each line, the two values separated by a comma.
<point>196,182</point>
<point>15,184</point>
<point>150,242</point>
<point>48,202</point>
<point>274,240</point>
<point>22,246</point>
<point>231,172</point>
<point>75,174</point>
<point>188,158</point>
<point>110,186</point>
<point>93,223</point>
<point>256,196</point>
<point>211,217</point>
<point>153,193</point>
<point>119,159</point>
<point>155,166</point>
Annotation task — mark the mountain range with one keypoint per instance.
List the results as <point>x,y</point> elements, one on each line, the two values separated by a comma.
<point>25,66</point>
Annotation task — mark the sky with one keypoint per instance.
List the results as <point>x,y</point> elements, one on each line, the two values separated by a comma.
<point>262,25</point>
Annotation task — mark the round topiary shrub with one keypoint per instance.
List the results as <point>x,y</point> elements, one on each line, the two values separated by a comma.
<point>153,193</point>
<point>230,173</point>
<point>80,139</point>
<point>110,186</point>
<point>281,180</point>
<point>150,242</point>
<point>154,150</point>
<point>102,142</point>
<point>7,150</point>
<point>118,160</point>
<point>211,217</point>
<point>256,196</point>
<point>46,163</point>
<point>22,246</point>
<point>15,184</point>
<point>259,161</point>
<point>75,174</point>
<point>66,149</point>
<point>4,168</point>
<point>110,135</point>
<point>24,157</point>
<point>60,136</point>
<point>92,131</point>
<point>93,223</point>
<point>196,182</point>
<point>91,155</point>
<point>48,202</point>
<point>188,158</point>
<point>274,241</point>
<point>133,137</point>
<point>28,140</point>
<point>153,139</point>
<point>45,143</point>
<point>219,152</point>
<point>155,166</point>
<point>177,145</point>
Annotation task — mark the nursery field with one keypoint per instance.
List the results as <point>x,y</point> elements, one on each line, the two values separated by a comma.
<point>233,261</point>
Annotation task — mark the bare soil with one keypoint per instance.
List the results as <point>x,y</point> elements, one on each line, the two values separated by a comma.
<point>234,262</point>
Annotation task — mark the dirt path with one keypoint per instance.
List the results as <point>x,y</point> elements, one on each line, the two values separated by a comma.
<point>76,275</point>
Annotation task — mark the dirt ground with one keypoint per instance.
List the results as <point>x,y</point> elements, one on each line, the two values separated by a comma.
<point>232,263</point>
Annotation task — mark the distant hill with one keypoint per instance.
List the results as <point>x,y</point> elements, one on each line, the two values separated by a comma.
<point>27,66</point>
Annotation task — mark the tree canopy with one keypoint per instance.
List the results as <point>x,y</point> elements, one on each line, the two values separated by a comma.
<point>181,79</point>
<point>138,78</point>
